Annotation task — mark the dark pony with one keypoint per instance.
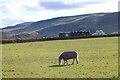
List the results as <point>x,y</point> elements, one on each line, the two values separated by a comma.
<point>68,55</point>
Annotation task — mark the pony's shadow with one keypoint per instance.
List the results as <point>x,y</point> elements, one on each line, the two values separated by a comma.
<point>59,65</point>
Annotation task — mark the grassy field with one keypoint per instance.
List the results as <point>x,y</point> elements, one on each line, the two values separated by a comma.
<point>98,58</point>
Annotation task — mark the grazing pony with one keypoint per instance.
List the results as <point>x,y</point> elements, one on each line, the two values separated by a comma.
<point>68,55</point>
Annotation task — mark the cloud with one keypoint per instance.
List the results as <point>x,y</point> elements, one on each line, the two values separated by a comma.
<point>17,11</point>
<point>63,5</point>
<point>31,8</point>
<point>4,10</point>
<point>8,21</point>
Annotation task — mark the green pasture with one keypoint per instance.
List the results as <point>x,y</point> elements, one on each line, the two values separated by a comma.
<point>98,58</point>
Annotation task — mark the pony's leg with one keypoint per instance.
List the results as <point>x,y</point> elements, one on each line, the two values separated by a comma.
<point>73,60</point>
<point>77,60</point>
<point>66,62</point>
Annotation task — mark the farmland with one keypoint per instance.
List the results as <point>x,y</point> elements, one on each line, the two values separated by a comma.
<point>98,58</point>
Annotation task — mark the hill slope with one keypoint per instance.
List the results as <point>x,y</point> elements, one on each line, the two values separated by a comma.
<point>108,22</point>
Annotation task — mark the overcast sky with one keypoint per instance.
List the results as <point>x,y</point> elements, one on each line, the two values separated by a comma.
<point>17,11</point>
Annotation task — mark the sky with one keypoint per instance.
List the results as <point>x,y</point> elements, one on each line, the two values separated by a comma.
<point>18,11</point>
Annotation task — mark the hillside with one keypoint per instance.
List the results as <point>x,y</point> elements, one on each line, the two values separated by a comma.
<point>108,22</point>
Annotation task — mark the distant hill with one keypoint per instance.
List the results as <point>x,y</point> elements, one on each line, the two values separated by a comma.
<point>17,26</point>
<point>108,22</point>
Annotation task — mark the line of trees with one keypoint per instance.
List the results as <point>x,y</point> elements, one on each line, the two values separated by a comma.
<point>49,39</point>
<point>74,34</point>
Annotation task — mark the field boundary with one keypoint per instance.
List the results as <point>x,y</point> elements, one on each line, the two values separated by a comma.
<point>6,41</point>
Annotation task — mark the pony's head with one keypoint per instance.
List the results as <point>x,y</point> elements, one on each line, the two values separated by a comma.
<point>59,61</point>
